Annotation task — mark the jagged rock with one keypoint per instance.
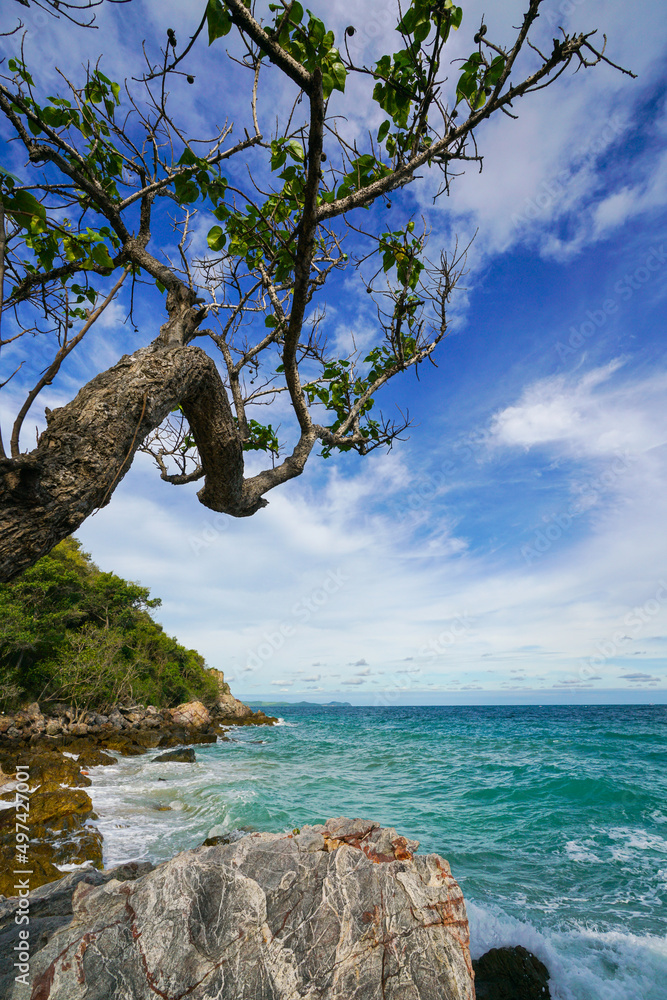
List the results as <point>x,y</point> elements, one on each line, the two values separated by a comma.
<point>223,686</point>
<point>191,713</point>
<point>51,908</point>
<point>178,756</point>
<point>511,974</point>
<point>268,918</point>
<point>53,727</point>
<point>229,707</point>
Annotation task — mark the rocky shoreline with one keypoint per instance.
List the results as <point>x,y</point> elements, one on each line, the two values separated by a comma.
<point>335,912</point>
<point>56,750</point>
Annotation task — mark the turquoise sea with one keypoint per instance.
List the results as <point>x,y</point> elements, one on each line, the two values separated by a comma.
<point>554,819</point>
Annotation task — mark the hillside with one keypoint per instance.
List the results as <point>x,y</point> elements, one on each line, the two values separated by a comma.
<point>71,633</point>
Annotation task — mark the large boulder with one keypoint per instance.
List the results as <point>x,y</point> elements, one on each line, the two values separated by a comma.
<point>511,974</point>
<point>192,713</point>
<point>336,912</point>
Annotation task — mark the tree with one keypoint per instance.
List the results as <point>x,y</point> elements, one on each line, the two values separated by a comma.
<point>76,11</point>
<point>105,170</point>
<point>69,632</point>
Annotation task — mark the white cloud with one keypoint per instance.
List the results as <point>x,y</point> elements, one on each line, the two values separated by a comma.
<point>588,414</point>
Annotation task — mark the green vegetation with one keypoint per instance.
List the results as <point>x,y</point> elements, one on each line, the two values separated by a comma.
<point>70,633</point>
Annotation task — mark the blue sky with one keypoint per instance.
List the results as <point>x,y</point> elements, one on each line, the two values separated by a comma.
<point>513,548</point>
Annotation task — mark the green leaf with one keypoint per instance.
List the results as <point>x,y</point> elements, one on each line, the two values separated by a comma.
<point>422,31</point>
<point>218,20</point>
<point>383,129</point>
<point>27,211</point>
<point>339,74</point>
<point>100,255</point>
<point>495,70</point>
<point>295,150</point>
<point>216,238</point>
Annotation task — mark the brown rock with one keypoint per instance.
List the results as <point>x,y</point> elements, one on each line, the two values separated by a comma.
<point>146,738</point>
<point>42,869</point>
<point>95,758</point>
<point>191,713</point>
<point>63,810</point>
<point>176,756</point>
<point>229,707</point>
<point>122,744</point>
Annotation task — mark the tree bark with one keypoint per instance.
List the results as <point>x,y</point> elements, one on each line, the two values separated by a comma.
<point>90,443</point>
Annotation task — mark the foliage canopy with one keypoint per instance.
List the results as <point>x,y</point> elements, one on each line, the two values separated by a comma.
<point>108,165</point>
<point>71,633</point>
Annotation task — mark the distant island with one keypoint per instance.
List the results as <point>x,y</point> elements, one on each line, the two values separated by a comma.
<point>310,704</point>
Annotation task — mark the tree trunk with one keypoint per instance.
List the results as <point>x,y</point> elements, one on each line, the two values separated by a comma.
<point>90,443</point>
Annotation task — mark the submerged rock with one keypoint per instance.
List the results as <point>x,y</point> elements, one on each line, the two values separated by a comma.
<point>511,974</point>
<point>179,756</point>
<point>336,912</point>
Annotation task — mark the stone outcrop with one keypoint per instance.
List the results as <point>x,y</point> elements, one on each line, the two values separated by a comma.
<point>511,974</point>
<point>336,912</point>
<point>189,722</point>
<point>50,908</point>
<point>193,713</point>
<point>229,707</point>
<point>186,756</point>
<point>58,817</point>
<point>59,750</point>
<point>219,677</point>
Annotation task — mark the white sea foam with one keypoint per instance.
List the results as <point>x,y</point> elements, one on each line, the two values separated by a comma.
<point>581,852</point>
<point>74,867</point>
<point>584,964</point>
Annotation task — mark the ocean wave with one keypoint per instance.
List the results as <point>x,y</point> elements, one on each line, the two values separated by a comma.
<point>585,964</point>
